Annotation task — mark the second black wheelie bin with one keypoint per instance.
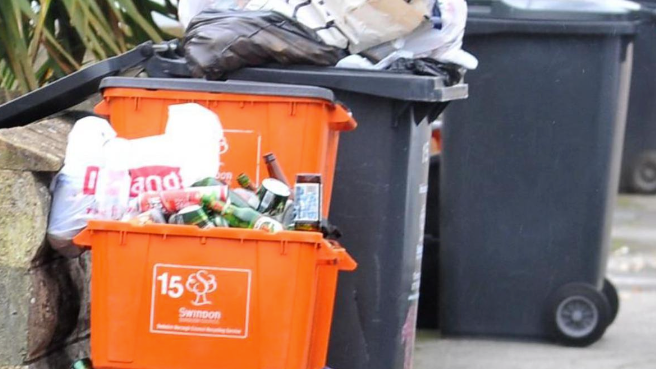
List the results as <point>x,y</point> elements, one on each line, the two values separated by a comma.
<point>530,169</point>
<point>379,204</point>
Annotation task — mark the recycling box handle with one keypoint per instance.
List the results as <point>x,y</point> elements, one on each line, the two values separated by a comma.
<point>341,119</point>
<point>333,253</point>
<point>102,108</point>
<point>83,239</point>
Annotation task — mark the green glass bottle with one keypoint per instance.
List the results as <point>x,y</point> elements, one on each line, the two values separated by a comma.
<point>235,199</point>
<point>207,182</point>
<point>245,182</point>
<point>245,217</point>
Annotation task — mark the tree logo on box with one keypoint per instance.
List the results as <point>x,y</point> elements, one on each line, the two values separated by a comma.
<point>201,283</point>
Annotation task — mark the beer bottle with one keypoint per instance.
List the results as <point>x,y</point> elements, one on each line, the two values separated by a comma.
<point>247,191</point>
<point>245,182</point>
<point>207,182</point>
<point>219,221</point>
<point>194,215</point>
<point>307,202</point>
<point>235,199</point>
<point>274,169</point>
<point>244,217</point>
<point>250,197</point>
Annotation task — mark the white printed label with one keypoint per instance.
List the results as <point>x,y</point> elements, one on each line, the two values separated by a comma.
<point>307,197</point>
<point>200,301</point>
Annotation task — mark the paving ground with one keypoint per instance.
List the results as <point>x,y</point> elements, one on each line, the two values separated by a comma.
<point>630,343</point>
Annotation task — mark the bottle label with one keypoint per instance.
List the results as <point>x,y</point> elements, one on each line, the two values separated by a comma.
<point>308,202</point>
<point>268,224</point>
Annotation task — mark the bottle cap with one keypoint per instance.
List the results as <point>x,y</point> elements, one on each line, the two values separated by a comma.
<point>269,157</point>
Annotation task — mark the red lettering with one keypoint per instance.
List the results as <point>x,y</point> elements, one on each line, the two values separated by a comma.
<point>155,178</point>
<point>154,183</point>
<point>172,181</point>
<point>137,186</point>
<point>90,180</point>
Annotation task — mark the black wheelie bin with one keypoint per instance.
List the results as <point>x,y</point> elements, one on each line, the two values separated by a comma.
<point>530,170</point>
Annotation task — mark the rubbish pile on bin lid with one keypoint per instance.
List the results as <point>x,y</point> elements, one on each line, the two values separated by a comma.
<point>172,178</point>
<point>223,36</point>
<point>226,36</point>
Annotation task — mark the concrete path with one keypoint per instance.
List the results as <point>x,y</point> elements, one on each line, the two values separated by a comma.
<point>630,343</point>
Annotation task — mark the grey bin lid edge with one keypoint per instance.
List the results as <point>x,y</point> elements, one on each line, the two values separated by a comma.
<point>556,10</point>
<point>230,86</point>
<point>596,17</point>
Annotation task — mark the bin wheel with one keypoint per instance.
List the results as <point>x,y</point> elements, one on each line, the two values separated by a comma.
<point>643,175</point>
<point>578,314</point>
<point>613,298</point>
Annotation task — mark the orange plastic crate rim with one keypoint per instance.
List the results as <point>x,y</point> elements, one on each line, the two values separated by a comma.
<point>330,252</point>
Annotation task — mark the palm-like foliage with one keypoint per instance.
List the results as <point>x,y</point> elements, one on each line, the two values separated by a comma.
<point>41,40</point>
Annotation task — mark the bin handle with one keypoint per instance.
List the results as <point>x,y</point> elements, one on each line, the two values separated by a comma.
<point>345,261</point>
<point>102,108</point>
<point>334,252</point>
<point>83,239</point>
<point>340,118</point>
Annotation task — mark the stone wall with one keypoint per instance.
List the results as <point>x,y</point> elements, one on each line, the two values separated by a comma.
<point>44,298</point>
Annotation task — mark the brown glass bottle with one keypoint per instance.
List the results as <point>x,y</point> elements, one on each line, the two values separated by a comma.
<point>275,171</point>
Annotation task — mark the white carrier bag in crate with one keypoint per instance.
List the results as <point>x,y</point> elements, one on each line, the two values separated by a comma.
<point>102,172</point>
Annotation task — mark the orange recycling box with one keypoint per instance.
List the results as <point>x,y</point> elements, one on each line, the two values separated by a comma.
<point>169,296</point>
<point>299,124</point>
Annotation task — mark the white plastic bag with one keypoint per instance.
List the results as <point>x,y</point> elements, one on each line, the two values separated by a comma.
<point>113,189</point>
<point>70,211</point>
<point>368,23</point>
<point>444,45</point>
<point>313,14</point>
<point>73,199</point>
<point>101,172</point>
<point>353,24</point>
<point>187,152</point>
<point>197,139</point>
<point>454,19</point>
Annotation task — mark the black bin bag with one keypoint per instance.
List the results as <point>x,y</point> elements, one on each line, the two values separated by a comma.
<point>217,42</point>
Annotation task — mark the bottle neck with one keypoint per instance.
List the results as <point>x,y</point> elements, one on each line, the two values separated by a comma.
<point>220,207</point>
<point>246,183</point>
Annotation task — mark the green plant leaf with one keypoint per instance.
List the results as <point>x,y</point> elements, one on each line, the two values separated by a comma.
<point>41,40</point>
